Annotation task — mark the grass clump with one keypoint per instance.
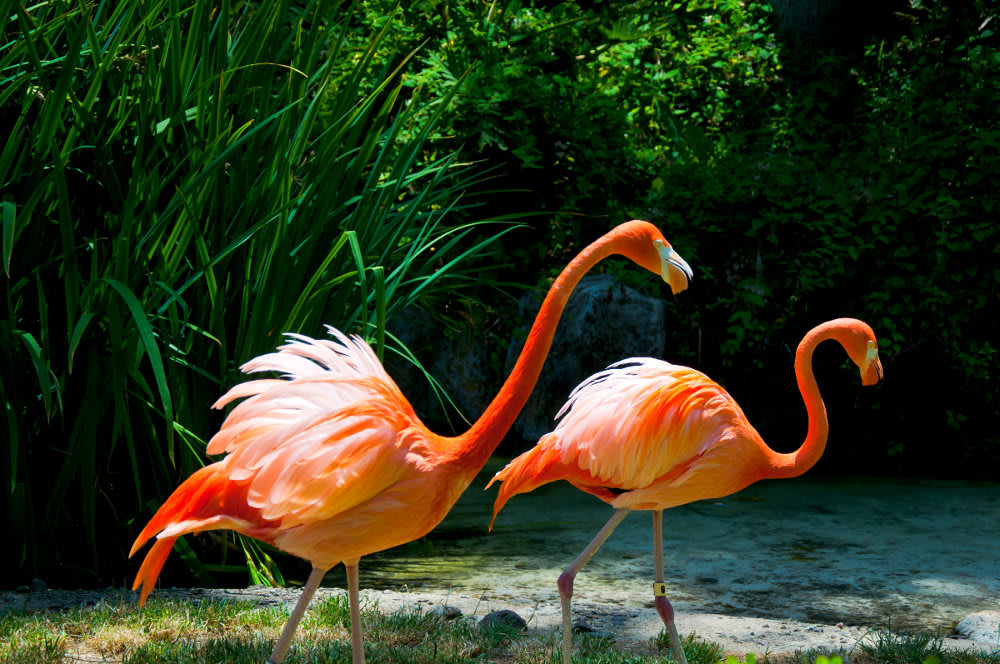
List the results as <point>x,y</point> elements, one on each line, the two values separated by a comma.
<point>696,651</point>
<point>34,650</point>
<point>885,647</point>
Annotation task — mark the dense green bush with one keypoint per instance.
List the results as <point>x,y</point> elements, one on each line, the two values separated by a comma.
<point>884,210</point>
<point>802,184</point>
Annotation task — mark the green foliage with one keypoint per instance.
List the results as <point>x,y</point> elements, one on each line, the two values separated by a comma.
<point>591,94</point>
<point>181,185</point>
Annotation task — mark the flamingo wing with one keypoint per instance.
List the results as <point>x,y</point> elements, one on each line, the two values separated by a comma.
<point>331,434</point>
<point>640,422</point>
<point>325,438</point>
<point>346,371</point>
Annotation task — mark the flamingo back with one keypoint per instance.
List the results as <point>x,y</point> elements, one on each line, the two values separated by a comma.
<point>331,434</point>
<point>639,425</point>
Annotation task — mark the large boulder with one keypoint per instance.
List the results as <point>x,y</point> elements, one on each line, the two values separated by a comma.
<point>604,321</point>
<point>459,362</point>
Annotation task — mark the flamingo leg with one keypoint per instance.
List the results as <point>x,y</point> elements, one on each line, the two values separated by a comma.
<point>285,639</point>
<point>662,604</point>
<point>566,578</point>
<point>357,643</point>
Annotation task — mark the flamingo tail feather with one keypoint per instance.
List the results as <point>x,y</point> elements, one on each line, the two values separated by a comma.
<point>151,567</point>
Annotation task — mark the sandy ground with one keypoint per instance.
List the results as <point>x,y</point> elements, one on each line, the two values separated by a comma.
<point>631,626</point>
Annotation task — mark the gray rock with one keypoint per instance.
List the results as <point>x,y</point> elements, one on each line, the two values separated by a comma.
<point>582,626</point>
<point>983,626</point>
<point>604,321</point>
<point>459,362</point>
<point>504,618</point>
<point>446,612</point>
<point>38,586</point>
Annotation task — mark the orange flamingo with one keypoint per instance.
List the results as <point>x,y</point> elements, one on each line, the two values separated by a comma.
<point>330,463</point>
<point>645,434</point>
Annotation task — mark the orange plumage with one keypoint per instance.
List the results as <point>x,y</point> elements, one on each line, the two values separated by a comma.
<point>640,435</point>
<point>330,438</point>
<point>648,435</point>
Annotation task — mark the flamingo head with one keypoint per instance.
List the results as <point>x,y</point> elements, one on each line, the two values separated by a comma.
<point>674,269</point>
<point>645,244</point>
<point>871,366</point>
<point>862,347</point>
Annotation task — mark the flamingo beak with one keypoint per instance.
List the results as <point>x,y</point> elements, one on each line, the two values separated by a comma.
<point>871,368</point>
<point>673,268</point>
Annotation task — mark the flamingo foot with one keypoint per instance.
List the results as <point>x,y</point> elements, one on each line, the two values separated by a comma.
<point>285,639</point>
<point>666,611</point>
<point>565,584</point>
<point>354,600</point>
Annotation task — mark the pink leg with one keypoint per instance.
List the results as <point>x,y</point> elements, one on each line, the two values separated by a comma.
<point>663,606</point>
<point>566,578</point>
<point>285,639</point>
<point>353,588</point>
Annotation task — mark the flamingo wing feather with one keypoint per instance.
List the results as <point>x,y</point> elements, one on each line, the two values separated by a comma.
<point>640,422</point>
<point>333,433</point>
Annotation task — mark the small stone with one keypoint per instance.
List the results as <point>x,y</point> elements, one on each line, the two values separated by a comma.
<point>23,590</point>
<point>983,626</point>
<point>38,586</point>
<point>840,625</point>
<point>446,612</point>
<point>504,618</point>
<point>581,625</point>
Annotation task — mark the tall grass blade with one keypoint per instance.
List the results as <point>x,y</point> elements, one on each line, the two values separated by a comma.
<point>9,212</point>
<point>145,330</point>
<point>41,368</point>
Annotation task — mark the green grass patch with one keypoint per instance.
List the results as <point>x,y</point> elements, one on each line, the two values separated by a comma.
<point>172,631</point>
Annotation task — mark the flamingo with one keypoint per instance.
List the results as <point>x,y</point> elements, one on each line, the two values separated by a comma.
<point>645,434</point>
<point>330,463</point>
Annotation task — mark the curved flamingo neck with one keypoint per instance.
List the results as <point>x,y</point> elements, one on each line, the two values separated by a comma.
<point>474,447</point>
<point>795,463</point>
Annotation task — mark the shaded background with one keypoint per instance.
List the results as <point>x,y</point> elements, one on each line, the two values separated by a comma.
<point>178,188</point>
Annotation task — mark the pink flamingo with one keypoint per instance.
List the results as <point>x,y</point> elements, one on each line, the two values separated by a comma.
<point>645,434</point>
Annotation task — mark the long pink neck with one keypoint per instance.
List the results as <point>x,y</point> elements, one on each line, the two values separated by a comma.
<point>474,447</point>
<point>804,458</point>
